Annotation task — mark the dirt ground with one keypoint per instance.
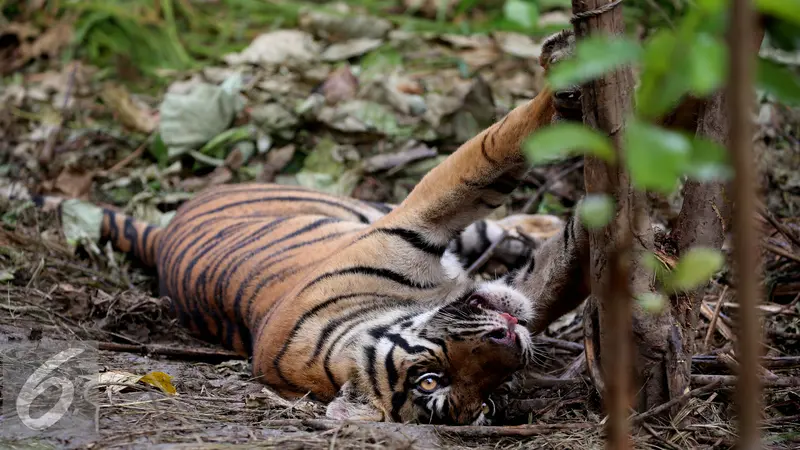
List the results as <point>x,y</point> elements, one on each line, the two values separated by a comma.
<point>362,109</point>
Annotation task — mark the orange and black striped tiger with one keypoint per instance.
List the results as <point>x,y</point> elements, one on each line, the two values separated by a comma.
<point>368,301</point>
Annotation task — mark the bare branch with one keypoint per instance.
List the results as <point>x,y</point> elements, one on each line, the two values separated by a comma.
<point>740,105</point>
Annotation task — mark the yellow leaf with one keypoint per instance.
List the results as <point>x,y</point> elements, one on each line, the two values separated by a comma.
<point>160,380</point>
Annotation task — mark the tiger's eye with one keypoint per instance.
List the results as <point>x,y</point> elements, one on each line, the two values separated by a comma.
<point>486,409</point>
<point>428,384</point>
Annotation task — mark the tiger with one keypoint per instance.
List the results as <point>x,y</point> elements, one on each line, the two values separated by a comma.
<point>367,306</point>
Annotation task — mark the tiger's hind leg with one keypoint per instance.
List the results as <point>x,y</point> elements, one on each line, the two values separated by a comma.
<point>556,277</point>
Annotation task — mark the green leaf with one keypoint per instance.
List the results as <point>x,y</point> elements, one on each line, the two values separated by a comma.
<point>219,145</point>
<point>189,120</point>
<point>708,161</point>
<point>779,81</point>
<point>159,150</point>
<point>695,268</point>
<point>596,210</point>
<point>522,13</point>
<point>663,77</point>
<point>784,9</point>
<point>712,6</point>
<point>707,64</point>
<point>594,56</point>
<point>652,302</point>
<point>557,141</point>
<point>81,221</point>
<point>655,157</point>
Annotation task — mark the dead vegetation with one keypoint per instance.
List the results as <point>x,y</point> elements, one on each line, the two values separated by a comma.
<point>69,129</point>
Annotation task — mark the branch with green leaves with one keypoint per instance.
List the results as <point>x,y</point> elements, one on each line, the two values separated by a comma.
<point>687,59</point>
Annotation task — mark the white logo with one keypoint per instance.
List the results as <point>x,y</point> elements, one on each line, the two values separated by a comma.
<point>37,383</point>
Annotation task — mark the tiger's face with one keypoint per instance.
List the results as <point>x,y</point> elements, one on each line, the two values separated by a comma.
<point>441,366</point>
<point>483,342</point>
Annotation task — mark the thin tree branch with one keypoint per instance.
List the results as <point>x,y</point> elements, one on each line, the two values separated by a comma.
<point>740,72</point>
<point>783,229</point>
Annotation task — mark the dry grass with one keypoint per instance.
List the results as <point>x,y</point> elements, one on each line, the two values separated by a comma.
<point>58,295</point>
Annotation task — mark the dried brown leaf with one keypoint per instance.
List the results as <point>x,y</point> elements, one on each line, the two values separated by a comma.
<point>73,182</point>
<point>277,159</point>
<point>341,85</point>
<point>131,114</point>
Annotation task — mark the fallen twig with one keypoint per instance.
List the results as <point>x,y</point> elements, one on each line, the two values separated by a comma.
<point>638,418</point>
<point>389,161</point>
<point>783,229</point>
<point>781,252</point>
<point>533,202</point>
<point>732,380</point>
<point>126,160</point>
<point>184,353</point>
<point>723,329</point>
<point>560,343</point>
<point>461,431</point>
<point>783,334</point>
<point>733,364</point>
<point>714,318</point>
<point>707,362</point>
<point>576,368</point>
<point>658,437</point>
<point>539,381</point>
<point>768,308</point>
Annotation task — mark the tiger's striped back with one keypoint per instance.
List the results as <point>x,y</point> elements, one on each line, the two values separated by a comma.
<point>235,244</point>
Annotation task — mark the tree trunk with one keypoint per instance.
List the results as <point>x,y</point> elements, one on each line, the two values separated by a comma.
<point>662,343</point>
<point>702,222</point>
<point>704,219</point>
<point>614,270</point>
<point>612,320</point>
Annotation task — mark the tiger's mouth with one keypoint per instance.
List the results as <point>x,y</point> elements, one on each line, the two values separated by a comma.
<point>482,302</point>
<point>506,335</point>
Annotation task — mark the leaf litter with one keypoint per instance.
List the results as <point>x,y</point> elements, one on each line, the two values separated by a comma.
<point>337,100</point>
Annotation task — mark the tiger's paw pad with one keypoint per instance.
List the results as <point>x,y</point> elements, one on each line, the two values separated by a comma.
<point>537,227</point>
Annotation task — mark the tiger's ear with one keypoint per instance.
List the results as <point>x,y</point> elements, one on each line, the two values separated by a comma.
<point>351,405</point>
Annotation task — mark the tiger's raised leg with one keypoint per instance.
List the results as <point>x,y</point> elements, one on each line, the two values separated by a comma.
<point>478,177</point>
<point>475,180</point>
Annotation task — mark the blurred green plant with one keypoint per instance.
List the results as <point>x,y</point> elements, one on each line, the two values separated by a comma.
<point>685,57</point>
<point>689,58</point>
<point>155,37</point>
